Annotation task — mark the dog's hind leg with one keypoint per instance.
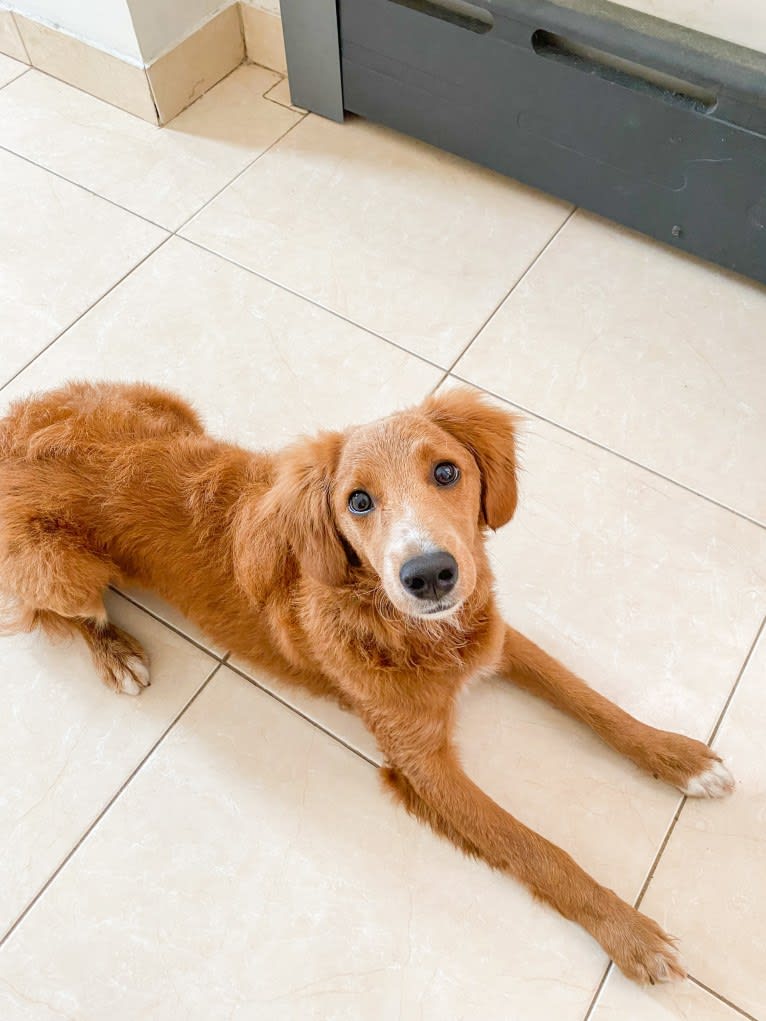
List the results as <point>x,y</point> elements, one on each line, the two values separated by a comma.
<point>57,584</point>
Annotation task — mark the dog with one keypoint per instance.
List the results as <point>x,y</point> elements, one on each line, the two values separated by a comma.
<point>352,563</point>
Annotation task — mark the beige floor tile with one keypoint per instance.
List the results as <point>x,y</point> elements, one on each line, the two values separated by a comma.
<point>61,248</point>
<point>165,174</point>
<point>415,244</point>
<point>650,352</point>
<point>710,886</point>
<point>623,1001</point>
<point>262,365</point>
<point>10,69</point>
<point>739,21</point>
<point>256,866</point>
<point>69,743</point>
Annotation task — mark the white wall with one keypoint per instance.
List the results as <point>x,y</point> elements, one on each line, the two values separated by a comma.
<point>138,31</point>
<point>266,5</point>
<point>161,24</point>
<point>739,21</point>
<point>106,24</point>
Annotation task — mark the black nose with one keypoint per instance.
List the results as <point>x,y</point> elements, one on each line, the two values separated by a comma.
<point>430,576</point>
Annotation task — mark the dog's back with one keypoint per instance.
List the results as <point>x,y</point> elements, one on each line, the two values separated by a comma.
<point>96,482</point>
<point>62,423</point>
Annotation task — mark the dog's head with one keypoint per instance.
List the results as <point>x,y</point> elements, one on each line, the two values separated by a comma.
<point>408,497</point>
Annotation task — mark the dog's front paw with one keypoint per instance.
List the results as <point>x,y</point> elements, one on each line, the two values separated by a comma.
<point>643,951</point>
<point>715,781</point>
<point>691,766</point>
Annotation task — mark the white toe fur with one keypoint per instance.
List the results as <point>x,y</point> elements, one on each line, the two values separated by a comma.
<point>135,678</point>
<point>715,782</point>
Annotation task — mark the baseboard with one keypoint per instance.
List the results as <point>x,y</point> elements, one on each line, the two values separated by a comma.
<point>88,68</point>
<point>10,40</point>
<point>263,38</point>
<point>161,90</point>
<point>195,65</point>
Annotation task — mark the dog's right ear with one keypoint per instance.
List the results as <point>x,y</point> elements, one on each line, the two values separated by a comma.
<point>296,514</point>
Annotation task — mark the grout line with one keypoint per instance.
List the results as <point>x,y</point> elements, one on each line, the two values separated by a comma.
<point>669,833</point>
<point>21,37</point>
<point>85,312</point>
<point>108,805</point>
<point>316,304</point>
<point>285,106</point>
<point>166,623</point>
<point>609,450</point>
<point>740,675</point>
<point>301,118</point>
<point>15,77</point>
<point>599,990</point>
<point>722,998</point>
<point>660,851</point>
<point>711,738</point>
<point>299,712</point>
<point>82,187</point>
<point>435,387</point>
<point>515,284</point>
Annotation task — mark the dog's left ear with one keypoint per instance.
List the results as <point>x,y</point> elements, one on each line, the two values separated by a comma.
<point>489,433</point>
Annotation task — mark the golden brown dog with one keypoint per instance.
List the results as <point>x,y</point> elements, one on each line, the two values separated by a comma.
<point>352,563</point>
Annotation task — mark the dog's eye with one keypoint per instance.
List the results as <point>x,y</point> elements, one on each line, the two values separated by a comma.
<point>446,473</point>
<point>360,502</point>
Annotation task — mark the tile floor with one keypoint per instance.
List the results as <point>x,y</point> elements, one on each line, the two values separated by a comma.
<point>220,847</point>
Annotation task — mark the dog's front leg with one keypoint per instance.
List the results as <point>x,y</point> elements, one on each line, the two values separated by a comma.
<point>678,760</point>
<point>435,789</point>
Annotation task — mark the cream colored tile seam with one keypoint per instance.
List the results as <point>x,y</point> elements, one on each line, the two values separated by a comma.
<point>85,311</point>
<point>15,77</point>
<point>722,998</point>
<point>529,413</point>
<point>314,723</point>
<point>217,665</point>
<point>244,170</point>
<point>21,37</point>
<point>316,304</point>
<point>669,833</point>
<point>171,627</point>
<point>514,285</point>
<point>82,187</point>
